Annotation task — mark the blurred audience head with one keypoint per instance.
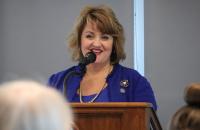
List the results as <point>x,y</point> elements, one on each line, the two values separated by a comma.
<point>28,105</point>
<point>188,117</point>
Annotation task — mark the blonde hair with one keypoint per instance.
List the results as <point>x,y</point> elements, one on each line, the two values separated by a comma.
<point>106,21</point>
<point>28,105</point>
<point>188,117</point>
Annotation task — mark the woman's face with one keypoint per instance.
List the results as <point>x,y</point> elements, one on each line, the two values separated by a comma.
<point>93,40</point>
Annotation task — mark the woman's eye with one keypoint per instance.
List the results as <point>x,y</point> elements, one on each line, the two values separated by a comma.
<point>106,37</point>
<point>89,36</point>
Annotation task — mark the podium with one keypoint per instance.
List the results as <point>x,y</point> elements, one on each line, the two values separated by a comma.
<point>115,116</point>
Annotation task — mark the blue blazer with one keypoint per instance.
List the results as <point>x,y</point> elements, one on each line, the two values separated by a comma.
<point>124,85</point>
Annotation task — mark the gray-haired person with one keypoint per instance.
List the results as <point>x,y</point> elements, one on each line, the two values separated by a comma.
<point>28,105</point>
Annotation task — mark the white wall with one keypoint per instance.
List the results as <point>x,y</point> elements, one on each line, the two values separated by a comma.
<point>172,35</point>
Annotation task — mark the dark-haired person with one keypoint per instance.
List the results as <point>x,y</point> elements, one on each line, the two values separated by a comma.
<point>188,116</point>
<point>98,30</point>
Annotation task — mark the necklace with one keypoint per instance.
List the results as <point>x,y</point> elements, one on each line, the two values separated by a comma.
<point>95,97</point>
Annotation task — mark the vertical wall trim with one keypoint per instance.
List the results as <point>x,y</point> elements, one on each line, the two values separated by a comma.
<point>138,35</point>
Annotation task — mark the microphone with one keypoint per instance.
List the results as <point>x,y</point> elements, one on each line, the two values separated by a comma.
<point>90,57</point>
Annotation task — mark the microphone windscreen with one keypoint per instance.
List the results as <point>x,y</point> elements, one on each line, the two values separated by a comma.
<point>90,57</point>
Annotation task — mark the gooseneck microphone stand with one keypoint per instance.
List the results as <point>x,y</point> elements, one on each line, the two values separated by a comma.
<point>72,73</point>
<point>90,57</point>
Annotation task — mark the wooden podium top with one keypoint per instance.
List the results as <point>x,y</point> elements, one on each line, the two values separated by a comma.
<point>112,104</point>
